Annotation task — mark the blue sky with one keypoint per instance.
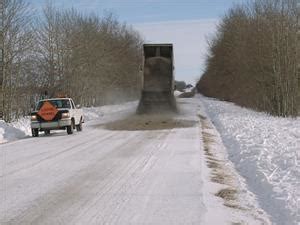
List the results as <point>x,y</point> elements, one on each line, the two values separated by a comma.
<point>186,23</point>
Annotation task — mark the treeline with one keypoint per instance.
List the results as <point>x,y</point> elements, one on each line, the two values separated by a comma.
<point>94,60</point>
<point>254,56</point>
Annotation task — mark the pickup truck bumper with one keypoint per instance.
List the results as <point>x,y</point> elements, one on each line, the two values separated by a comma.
<point>51,125</point>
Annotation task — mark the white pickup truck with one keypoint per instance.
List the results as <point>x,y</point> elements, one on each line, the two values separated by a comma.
<point>56,114</point>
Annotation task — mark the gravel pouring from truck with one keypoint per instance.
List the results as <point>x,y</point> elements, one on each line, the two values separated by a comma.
<point>56,114</point>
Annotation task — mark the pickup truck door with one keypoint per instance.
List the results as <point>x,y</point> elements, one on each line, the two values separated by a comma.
<point>78,112</point>
<point>75,112</point>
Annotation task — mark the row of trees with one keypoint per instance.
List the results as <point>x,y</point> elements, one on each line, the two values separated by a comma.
<point>253,58</point>
<point>94,60</point>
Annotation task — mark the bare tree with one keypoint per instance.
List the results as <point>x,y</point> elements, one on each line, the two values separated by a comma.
<point>18,45</point>
<point>253,59</point>
<point>87,57</point>
<point>92,59</point>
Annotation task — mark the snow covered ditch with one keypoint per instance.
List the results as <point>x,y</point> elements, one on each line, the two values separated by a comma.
<point>21,128</point>
<point>266,152</point>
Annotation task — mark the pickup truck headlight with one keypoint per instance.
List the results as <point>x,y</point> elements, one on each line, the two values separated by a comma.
<point>33,117</point>
<point>65,115</point>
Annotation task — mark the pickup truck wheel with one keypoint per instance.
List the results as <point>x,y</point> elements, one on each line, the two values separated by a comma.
<point>70,128</point>
<point>35,132</point>
<point>79,126</point>
<point>47,132</point>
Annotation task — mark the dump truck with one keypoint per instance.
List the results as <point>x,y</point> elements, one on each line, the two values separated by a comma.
<point>158,79</point>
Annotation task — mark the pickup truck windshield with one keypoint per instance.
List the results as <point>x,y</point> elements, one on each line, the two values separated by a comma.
<point>59,103</point>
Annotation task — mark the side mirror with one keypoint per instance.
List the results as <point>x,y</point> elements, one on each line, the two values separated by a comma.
<point>78,106</point>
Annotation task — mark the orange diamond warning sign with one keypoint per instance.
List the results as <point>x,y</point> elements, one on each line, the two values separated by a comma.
<point>47,111</point>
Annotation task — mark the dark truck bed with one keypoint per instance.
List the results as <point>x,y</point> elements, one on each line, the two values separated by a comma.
<point>158,83</point>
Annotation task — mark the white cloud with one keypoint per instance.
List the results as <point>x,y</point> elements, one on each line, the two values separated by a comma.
<point>190,43</point>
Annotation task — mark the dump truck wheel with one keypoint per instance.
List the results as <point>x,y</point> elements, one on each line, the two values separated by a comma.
<point>35,132</point>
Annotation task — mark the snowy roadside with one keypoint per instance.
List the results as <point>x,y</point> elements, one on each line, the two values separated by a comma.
<point>21,128</point>
<point>265,151</point>
<point>223,185</point>
<point>13,131</point>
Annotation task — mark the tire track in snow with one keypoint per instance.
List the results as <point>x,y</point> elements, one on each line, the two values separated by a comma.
<point>72,149</point>
<point>138,171</point>
<point>38,174</point>
<point>77,182</point>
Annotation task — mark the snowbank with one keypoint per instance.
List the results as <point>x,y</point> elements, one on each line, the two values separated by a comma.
<point>225,182</point>
<point>10,133</point>
<point>177,93</point>
<point>266,151</point>
<point>23,125</point>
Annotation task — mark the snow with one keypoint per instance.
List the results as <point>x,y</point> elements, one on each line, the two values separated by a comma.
<point>113,175</point>
<point>177,93</point>
<point>23,125</point>
<point>12,132</point>
<point>243,207</point>
<point>94,113</point>
<point>266,152</point>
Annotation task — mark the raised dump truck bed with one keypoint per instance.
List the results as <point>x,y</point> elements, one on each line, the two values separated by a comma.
<point>158,83</point>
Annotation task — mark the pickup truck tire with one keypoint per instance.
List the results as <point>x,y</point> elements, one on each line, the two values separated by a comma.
<point>35,132</point>
<point>79,126</point>
<point>70,129</point>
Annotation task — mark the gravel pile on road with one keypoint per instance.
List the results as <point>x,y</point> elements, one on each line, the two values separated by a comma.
<point>149,122</point>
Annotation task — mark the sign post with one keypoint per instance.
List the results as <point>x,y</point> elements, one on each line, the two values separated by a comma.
<point>298,53</point>
<point>1,59</point>
<point>298,33</point>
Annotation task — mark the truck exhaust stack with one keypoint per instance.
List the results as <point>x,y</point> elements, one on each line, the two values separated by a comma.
<point>158,83</point>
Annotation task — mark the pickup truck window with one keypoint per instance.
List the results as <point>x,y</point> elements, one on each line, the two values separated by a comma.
<point>61,103</point>
<point>73,105</point>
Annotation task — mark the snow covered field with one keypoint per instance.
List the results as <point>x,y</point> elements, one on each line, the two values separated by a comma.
<point>266,152</point>
<point>126,169</point>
